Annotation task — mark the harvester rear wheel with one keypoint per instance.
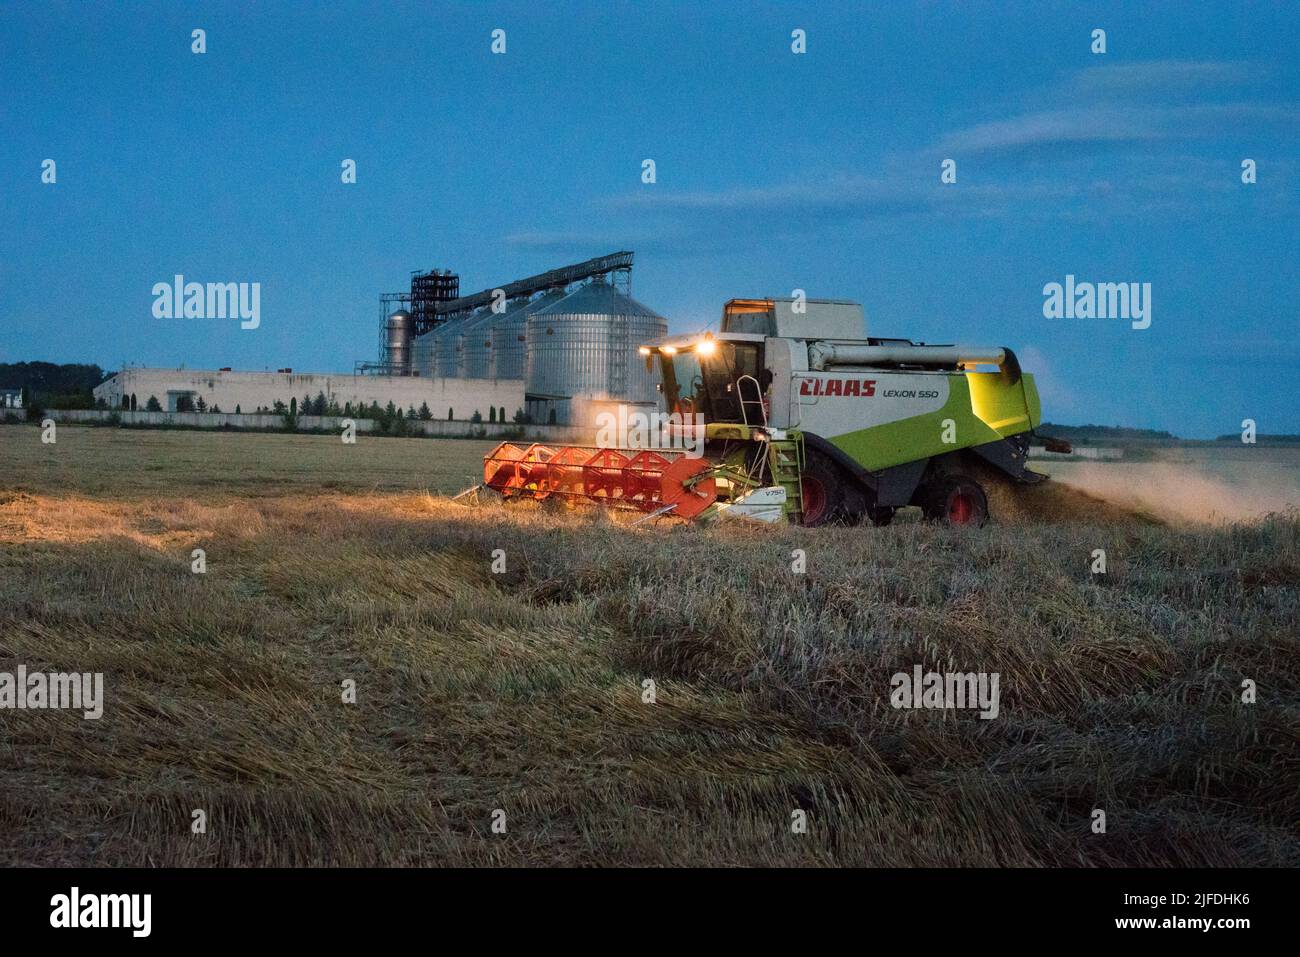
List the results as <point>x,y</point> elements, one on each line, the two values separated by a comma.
<point>957,500</point>
<point>822,488</point>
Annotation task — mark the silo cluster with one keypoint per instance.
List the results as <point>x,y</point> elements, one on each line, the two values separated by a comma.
<point>570,334</point>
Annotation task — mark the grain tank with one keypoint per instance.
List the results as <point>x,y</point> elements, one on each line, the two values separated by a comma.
<point>584,346</point>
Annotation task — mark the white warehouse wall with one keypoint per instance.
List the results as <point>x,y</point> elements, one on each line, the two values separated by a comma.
<point>249,390</point>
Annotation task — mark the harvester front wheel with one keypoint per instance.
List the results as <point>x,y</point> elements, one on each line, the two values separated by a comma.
<point>957,500</point>
<point>822,489</point>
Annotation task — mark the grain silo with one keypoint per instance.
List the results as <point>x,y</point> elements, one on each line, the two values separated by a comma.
<point>400,329</point>
<point>509,334</point>
<point>446,346</point>
<point>585,346</point>
<point>423,355</point>
<point>474,342</point>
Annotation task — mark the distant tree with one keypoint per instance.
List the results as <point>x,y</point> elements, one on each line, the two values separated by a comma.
<point>73,400</point>
<point>126,401</point>
<point>293,408</point>
<point>200,405</point>
<point>42,381</point>
<point>411,414</point>
<point>425,414</point>
<point>522,417</point>
<point>318,404</point>
<point>492,413</point>
<point>450,414</point>
<point>237,409</point>
<point>133,408</point>
<point>152,405</point>
<point>477,417</point>
<point>101,404</point>
<point>279,408</point>
<point>501,415</point>
<point>332,408</point>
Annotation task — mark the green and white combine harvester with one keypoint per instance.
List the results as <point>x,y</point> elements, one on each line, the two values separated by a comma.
<point>787,413</point>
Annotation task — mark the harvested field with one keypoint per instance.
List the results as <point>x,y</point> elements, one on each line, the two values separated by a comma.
<point>524,691</point>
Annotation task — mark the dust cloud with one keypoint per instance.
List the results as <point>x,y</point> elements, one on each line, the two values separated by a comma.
<point>1180,492</point>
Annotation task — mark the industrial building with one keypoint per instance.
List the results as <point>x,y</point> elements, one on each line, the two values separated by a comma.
<point>229,391</point>
<point>554,347</point>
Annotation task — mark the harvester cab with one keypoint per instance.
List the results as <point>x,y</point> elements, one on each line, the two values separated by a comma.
<point>722,378</point>
<point>800,415</point>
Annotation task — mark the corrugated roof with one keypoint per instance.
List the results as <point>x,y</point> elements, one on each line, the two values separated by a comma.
<point>597,299</point>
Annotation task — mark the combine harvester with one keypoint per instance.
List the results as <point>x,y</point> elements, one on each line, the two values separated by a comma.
<point>788,414</point>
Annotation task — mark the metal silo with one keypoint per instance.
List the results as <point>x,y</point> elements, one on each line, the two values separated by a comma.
<point>474,341</point>
<point>509,333</point>
<point>586,345</point>
<point>423,353</point>
<point>446,337</point>
<point>400,327</point>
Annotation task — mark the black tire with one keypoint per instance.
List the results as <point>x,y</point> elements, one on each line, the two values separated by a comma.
<point>879,516</point>
<point>826,492</point>
<point>956,500</point>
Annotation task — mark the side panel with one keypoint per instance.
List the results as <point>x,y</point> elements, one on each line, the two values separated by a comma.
<point>784,411</point>
<point>820,319</point>
<point>882,418</point>
<point>1005,409</point>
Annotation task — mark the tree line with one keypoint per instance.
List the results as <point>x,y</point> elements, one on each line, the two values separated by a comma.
<point>49,385</point>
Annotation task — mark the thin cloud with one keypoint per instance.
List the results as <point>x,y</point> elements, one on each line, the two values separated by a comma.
<point>843,196</point>
<point>1058,127</point>
<point>1100,115</point>
<point>838,191</point>
<point>1127,103</point>
<point>1164,76</point>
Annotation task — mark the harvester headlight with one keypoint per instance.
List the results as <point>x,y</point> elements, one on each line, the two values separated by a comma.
<point>706,347</point>
<point>643,350</point>
<point>668,350</point>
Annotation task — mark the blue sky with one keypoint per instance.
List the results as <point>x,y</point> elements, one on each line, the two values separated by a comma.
<point>775,171</point>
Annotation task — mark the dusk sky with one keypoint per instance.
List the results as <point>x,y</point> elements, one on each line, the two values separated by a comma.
<point>775,171</point>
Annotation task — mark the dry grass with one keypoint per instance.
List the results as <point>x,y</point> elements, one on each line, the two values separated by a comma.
<point>522,691</point>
